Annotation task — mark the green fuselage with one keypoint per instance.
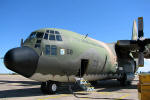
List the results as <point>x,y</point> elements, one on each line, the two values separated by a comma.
<point>66,61</point>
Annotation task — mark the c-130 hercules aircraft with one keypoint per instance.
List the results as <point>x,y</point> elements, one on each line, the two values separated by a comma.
<point>53,55</point>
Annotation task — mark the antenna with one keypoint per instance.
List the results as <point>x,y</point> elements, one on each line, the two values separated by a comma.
<point>85,36</point>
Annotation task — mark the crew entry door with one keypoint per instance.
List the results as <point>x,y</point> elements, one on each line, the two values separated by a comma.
<point>83,68</point>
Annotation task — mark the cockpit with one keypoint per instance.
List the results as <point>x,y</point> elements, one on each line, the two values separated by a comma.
<point>48,35</point>
<point>44,40</point>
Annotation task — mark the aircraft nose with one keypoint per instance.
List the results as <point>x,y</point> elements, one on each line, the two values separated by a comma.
<point>22,60</point>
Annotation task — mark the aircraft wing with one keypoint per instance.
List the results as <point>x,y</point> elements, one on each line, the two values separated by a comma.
<point>138,46</point>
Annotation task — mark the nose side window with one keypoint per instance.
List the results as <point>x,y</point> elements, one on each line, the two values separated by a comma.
<point>47,49</point>
<point>53,50</point>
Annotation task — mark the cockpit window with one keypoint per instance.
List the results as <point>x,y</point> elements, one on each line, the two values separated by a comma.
<point>38,41</point>
<point>53,50</point>
<point>46,36</point>
<point>37,45</point>
<point>33,35</point>
<point>52,31</point>
<point>56,32</point>
<point>47,31</point>
<point>52,37</point>
<point>39,34</point>
<point>58,38</point>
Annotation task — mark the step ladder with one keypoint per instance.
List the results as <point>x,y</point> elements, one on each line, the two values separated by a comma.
<point>84,84</point>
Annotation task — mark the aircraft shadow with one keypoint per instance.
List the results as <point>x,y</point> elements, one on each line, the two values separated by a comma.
<point>20,93</point>
<point>27,91</point>
<point>21,83</point>
<point>112,85</point>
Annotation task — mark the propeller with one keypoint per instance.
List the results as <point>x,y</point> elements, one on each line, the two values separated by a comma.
<point>138,42</point>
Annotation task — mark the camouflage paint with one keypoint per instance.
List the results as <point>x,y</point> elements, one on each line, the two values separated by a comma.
<point>101,56</point>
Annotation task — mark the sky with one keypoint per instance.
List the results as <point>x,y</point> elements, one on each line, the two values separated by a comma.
<point>104,20</point>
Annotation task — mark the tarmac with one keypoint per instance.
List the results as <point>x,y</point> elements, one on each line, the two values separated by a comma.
<point>16,87</point>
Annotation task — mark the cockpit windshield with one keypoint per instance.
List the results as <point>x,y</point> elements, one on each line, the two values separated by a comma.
<point>36,35</point>
<point>33,35</point>
<point>49,35</point>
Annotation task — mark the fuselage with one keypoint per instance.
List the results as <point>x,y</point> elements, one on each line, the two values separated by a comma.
<point>63,55</point>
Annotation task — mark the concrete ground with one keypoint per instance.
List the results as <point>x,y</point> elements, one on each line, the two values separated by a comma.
<point>16,87</point>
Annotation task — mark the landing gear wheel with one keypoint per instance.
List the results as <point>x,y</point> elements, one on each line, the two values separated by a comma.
<point>49,87</point>
<point>123,81</point>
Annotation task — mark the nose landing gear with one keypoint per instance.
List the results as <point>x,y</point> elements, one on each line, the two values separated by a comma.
<point>49,87</point>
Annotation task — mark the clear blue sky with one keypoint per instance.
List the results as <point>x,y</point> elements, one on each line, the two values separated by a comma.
<point>105,20</point>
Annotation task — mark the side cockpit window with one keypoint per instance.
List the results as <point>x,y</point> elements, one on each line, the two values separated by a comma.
<point>58,38</point>
<point>46,36</point>
<point>56,32</point>
<point>39,34</point>
<point>38,41</point>
<point>37,45</point>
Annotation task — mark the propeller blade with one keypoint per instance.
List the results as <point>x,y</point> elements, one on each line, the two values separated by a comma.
<point>140,27</point>
<point>134,31</point>
<point>141,59</point>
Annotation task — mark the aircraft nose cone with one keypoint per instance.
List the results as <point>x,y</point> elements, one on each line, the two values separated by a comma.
<point>22,60</point>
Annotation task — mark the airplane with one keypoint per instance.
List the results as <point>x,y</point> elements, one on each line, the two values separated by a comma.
<point>52,56</point>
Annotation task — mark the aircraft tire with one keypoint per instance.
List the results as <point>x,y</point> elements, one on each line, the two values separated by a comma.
<point>51,87</point>
<point>123,81</point>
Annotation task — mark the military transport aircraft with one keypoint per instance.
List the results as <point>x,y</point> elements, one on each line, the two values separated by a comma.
<point>53,55</point>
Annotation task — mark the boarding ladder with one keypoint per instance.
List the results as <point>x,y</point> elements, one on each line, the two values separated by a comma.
<point>84,84</point>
